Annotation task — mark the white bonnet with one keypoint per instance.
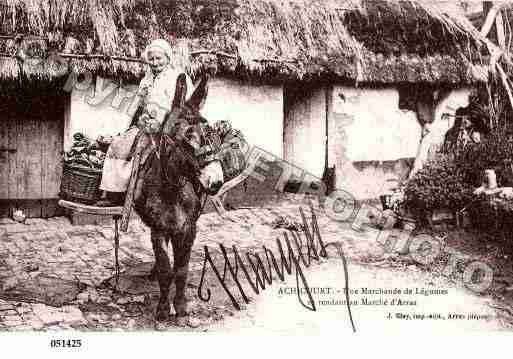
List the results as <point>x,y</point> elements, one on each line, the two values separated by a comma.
<point>161,45</point>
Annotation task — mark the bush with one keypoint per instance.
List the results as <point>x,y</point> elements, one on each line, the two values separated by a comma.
<point>440,184</point>
<point>494,153</point>
<point>449,180</point>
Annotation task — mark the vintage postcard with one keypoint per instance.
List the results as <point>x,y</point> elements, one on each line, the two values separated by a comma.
<point>255,166</point>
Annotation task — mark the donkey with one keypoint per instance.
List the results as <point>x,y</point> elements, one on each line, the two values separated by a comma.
<point>168,197</point>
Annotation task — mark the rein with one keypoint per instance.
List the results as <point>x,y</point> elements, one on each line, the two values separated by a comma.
<point>165,178</point>
<point>160,152</point>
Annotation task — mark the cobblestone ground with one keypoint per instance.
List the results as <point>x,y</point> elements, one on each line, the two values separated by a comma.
<point>71,265</point>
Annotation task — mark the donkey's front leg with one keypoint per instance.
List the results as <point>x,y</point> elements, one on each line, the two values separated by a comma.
<point>182,254</point>
<point>152,276</point>
<point>164,273</point>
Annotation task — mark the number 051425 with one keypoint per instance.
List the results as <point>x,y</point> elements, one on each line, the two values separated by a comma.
<point>65,343</point>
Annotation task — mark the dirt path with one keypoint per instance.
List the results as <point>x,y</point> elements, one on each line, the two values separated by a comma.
<point>281,313</point>
<point>70,264</point>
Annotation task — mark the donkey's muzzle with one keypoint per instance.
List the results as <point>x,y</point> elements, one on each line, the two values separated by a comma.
<point>211,177</point>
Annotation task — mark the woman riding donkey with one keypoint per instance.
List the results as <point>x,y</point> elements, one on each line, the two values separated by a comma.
<point>155,97</point>
<point>179,172</point>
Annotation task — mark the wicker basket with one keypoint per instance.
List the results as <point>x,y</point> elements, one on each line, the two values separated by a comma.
<point>80,184</point>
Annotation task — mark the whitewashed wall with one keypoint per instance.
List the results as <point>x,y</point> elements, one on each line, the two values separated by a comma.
<point>366,126</point>
<point>255,110</point>
<point>102,108</point>
<point>378,130</point>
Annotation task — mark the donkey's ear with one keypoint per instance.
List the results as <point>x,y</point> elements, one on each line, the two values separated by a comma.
<point>177,105</point>
<point>199,96</point>
<point>180,92</point>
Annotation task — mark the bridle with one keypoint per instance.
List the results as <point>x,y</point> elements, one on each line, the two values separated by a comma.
<point>160,152</point>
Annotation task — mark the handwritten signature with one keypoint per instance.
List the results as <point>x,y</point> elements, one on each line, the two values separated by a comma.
<point>237,268</point>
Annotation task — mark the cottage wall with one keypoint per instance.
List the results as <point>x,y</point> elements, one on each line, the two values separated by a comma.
<point>104,109</point>
<point>256,110</point>
<point>371,142</point>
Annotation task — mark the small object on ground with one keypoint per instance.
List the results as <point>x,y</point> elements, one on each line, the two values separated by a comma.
<point>123,300</point>
<point>93,295</point>
<point>94,317</point>
<point>182,321</point>
<point>19,216</point>
<point>286,223</point>
<point>104,300</point>
<point>137,299</point>
<point>82,298</point>
<point>193,322</point>
<point>159,326</point>
<point>31,268</point>
<point>9,283</point>
<point>131,323</point>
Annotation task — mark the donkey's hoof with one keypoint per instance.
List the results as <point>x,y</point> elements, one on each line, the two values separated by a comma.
<point>162,312</point>
<point>180,308</point>
<point>162,317</point>
<point>182,321</point>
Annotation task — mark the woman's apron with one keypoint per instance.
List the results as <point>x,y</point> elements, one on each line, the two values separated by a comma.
<point>117,167</point>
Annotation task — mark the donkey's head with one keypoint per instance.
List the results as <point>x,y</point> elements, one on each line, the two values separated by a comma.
<point>186,112</point>
<point>181,136</point>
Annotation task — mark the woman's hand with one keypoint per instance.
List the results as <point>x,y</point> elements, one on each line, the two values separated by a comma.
<point>152,125</point>
<point>141,123</point>
<point>148,123</point>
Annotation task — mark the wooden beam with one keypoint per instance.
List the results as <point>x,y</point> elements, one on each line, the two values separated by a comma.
<point>490,16</point>
<point>505,83</point>
<point>494,49</point>
<point>501,34</point>
<point>130,192</point>
<point>88,57</point>
<point>83,208</point>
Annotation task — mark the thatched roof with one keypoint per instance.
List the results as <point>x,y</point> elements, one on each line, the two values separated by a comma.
<point>365,41</point>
